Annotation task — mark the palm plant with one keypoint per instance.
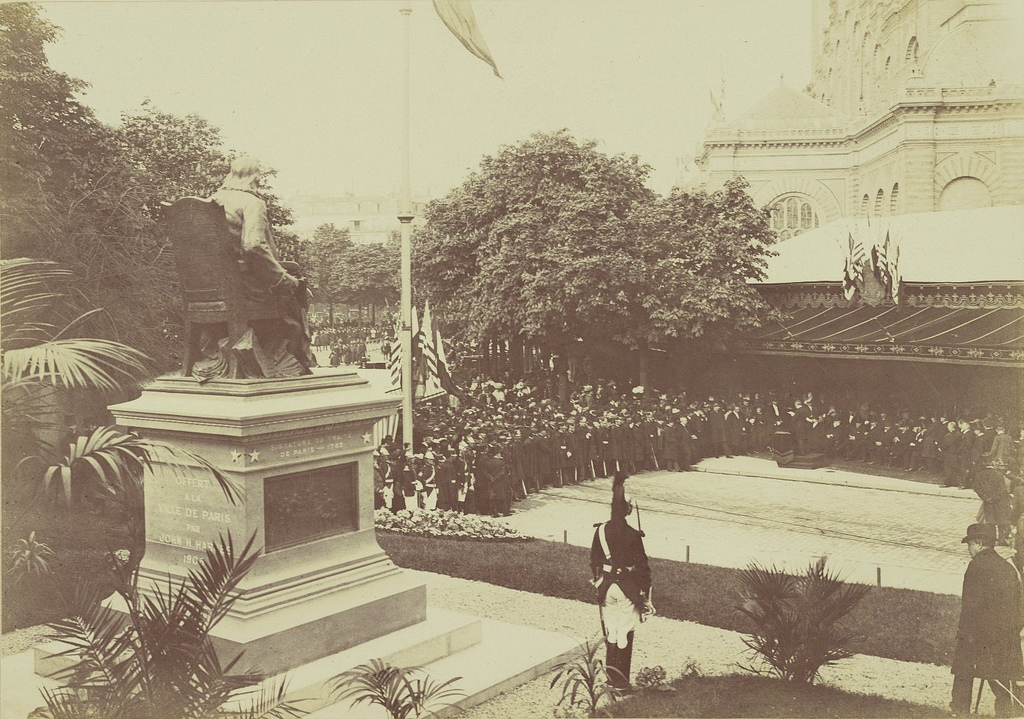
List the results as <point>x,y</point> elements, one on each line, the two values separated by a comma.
<point>796,620</point>
<point>39,354</point>
<point>115,462</point>
<point>399,691</point>
<point>160,662</point>
<point>30,557</point>
<point>584,679</point>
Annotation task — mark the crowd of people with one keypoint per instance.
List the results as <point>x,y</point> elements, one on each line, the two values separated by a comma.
<point>347,339</point>
<point>502,441</point>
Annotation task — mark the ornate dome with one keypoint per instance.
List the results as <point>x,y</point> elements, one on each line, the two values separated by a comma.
<point>785,108</point>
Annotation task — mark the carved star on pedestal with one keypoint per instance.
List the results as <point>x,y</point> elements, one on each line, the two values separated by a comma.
<point>236,456</point>
<point>367,438</point>
<point>254,456</point>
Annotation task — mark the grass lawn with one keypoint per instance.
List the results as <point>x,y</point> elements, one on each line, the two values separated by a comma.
<point>894,623</point>
<point>79,540</point>
<point>746,696</point>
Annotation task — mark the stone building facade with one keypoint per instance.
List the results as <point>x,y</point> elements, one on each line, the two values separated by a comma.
<point>368,218</point>
<point>913,106</point>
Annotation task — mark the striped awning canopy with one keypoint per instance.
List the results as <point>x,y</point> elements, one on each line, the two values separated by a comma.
<point>968,335</point>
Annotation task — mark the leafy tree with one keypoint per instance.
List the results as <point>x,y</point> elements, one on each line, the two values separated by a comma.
<point>344,272</point>
<point>699,251</point>
<point>321,256</point>
<point>554,242</point>
<point>289,247</point>
<point>369,274</point>
<point>177,156</point>
<point>185,156</point>
<point>535,243</point>
<point>84,194</point>
<point>46,130</point>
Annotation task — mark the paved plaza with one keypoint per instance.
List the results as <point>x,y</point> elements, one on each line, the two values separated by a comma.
<point>732,511</point>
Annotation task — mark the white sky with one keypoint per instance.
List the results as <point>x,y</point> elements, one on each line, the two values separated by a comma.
<point>313,88</point>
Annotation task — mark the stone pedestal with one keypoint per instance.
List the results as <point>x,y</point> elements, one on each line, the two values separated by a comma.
<point>300,452</point>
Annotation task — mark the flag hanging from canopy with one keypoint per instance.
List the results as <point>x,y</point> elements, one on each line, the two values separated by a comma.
<point>458,16</point>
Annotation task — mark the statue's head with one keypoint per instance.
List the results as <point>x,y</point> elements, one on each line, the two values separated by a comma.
<point>244,174</point>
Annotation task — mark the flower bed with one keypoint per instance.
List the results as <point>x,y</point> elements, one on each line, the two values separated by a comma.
<point>445,523</point>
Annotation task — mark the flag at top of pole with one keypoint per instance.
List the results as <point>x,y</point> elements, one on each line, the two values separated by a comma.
<point>459,17</point>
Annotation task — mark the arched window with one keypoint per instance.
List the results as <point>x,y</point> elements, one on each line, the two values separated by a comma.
<point>964,193</point>
<point>879,198</point>
<point>912,49</point>
<point>792,214</point>
<point>894,199</point>
<point>864,203</point>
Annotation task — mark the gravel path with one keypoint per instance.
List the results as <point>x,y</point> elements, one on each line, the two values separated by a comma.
<point>673,644</point>
<point>21,639</point>
<point>670,643</point>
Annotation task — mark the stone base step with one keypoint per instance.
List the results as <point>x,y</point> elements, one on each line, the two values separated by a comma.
<point>442,634</point>
<point>492,657</point>
<point>508,656</point>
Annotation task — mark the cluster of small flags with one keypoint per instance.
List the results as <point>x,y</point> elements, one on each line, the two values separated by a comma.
<point>883,260</point>
<point>431,376</point>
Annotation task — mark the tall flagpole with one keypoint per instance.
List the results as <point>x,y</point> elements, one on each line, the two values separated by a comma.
<point>405,215</point>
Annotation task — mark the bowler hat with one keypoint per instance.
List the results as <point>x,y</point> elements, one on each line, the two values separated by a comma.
<point>984,533</point>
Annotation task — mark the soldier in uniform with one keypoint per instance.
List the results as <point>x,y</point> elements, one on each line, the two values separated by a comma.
<point>622,576</point>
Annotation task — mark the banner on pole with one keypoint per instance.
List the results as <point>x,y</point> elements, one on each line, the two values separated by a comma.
<point>458,16</point>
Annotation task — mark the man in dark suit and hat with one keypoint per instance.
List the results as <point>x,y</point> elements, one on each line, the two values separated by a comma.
<point>991,618</point>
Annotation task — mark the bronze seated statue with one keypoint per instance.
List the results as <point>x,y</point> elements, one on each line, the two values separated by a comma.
<point>230,331</point>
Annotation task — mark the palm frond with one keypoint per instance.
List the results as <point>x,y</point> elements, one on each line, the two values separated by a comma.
<point>26,282</point>
<point>162,661</point>
<point>269,702</point>
<point>81,362</point>
<point>795,620</point>
<point>213,582</point>
<point>116,461</point>
<point>427,693</point>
